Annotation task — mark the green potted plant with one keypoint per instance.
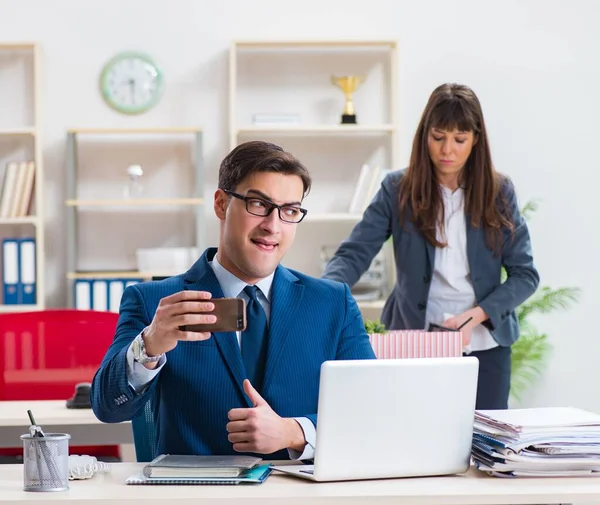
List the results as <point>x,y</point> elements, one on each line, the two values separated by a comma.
<point>530,352</point>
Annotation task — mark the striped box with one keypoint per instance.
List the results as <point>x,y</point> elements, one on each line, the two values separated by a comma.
<point>396,344</point>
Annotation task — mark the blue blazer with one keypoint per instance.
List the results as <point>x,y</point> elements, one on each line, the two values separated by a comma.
<point>311,321</point>
<point>415,258</point>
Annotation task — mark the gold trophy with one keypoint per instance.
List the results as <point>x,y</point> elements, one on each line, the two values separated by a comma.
<point>348,84</point>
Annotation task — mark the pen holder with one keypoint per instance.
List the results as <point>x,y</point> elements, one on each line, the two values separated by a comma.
<point>46,462</point>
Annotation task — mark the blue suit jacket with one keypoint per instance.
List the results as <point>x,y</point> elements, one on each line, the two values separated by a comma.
<point>415,258</point>
<point>312,320</point>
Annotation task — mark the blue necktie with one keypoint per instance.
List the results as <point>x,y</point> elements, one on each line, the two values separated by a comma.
<point>254,339</point>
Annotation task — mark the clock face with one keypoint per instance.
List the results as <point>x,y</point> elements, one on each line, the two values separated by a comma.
<point>131,83</point>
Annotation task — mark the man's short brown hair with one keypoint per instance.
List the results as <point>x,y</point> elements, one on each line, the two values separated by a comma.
<point>259,156</point>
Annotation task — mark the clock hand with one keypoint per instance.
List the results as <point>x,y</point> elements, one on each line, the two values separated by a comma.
<point>132,89</point>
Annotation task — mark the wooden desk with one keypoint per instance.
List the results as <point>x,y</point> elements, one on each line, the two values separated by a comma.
<point>54,417</point>
<point>468,489</point>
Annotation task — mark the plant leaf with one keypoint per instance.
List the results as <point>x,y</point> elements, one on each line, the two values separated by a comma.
<point>547,300</point>
<point>529,208</point>
<point>528,358</point>
<point>374,326</point>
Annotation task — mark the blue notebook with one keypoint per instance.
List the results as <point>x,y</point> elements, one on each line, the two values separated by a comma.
<point>256,475</point>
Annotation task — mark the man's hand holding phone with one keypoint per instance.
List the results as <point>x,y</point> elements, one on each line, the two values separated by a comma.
<point>174,311</point>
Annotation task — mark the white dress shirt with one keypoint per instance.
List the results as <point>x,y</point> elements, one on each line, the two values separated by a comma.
<point>139,376</point>
<point>451,292</point>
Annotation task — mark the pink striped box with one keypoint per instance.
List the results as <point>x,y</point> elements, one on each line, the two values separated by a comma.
<point>396,344</point>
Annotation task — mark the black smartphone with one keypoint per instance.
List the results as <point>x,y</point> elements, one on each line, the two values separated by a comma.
<point>231,316</point>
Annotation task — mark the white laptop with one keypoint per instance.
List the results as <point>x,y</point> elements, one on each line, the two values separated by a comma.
<point>386,418</point>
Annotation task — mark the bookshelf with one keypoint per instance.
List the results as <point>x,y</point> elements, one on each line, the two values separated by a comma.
<point>292,79</point>
<point>21,146</point>
<point>172,162</point>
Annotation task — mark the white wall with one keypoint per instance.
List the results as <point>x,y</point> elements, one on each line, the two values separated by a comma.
<point>534,65</point>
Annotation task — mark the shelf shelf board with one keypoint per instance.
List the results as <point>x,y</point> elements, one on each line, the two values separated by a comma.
<point>134,202</point>
<point>20,220</point>
<point>11,46</point>
<point>374,304</point>
<point>313,130</point>
<point>119,274</point>
<point>133,131</point>
<point>275,44</point>
<point>327,217</point>
<point>19,308</point>
<point>28,130</point>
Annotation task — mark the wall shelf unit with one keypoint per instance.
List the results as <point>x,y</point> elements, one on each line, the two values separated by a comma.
<point>21,178</point>
<point>173,188</point>
<point>281,91</point>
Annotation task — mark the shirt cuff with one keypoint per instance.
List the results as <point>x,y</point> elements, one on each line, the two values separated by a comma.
<point>310,435</point>
<point>138,375</point>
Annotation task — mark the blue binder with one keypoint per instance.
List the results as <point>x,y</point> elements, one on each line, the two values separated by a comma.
<point>27,270</point>
<point>83,294</point>
<point>11,288</point>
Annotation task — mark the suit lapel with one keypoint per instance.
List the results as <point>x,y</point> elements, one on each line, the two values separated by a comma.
<point>201,277</point>
<point>286,296</point>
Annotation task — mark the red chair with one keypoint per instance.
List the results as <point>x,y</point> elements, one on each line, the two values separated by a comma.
<point>44,354</point>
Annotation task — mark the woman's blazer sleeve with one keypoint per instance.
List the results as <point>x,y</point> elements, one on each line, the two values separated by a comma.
<point>517,259</point>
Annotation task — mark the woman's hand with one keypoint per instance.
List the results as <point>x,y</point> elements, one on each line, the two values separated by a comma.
<point>477,314</point>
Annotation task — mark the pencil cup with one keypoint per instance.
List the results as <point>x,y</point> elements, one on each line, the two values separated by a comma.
<point>46,462</point>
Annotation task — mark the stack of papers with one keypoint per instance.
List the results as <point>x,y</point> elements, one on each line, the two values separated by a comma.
<point>552,442</point>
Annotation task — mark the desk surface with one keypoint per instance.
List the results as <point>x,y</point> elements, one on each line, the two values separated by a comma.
<point>470,488</point>
<point>54,416</point>
<point>45,412</point>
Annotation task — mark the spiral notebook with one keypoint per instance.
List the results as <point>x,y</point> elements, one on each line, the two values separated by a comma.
<point>256,475</point>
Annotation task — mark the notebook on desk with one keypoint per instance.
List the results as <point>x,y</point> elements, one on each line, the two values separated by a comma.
<point>255,475</point>
<point>169,466</point>
<point>393,418</point>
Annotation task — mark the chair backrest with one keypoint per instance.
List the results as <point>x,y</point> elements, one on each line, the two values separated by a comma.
<point>44,354</point>
<point>144,433</point>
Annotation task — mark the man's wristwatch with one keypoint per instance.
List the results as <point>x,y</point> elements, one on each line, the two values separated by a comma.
<point>139,351</point>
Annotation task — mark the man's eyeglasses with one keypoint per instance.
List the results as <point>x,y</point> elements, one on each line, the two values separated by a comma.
<point>260,207</point>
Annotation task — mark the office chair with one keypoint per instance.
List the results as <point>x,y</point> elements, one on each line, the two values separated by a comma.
<point>45,354</point>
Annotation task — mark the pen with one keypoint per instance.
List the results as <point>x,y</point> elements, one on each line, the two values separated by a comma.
<point>457,329</point>
<point>433,326</point>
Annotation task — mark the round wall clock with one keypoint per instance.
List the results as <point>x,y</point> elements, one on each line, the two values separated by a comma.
<point>131,83</point>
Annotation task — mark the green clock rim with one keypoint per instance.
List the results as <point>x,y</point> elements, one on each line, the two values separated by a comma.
<point>131,109</point>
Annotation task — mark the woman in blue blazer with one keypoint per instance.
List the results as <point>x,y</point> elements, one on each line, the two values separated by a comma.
<point>455,223</point>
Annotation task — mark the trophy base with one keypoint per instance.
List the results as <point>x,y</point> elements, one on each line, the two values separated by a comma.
<point>348,119</point>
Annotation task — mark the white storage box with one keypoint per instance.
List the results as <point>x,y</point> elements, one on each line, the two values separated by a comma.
<point>172,260</point>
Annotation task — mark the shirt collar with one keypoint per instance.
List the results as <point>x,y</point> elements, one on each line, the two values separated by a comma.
<point>449,194</point>
<point>232,286</point>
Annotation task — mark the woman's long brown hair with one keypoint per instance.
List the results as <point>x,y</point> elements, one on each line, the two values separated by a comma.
<point>453,106</point>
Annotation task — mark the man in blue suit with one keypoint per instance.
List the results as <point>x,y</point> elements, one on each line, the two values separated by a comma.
<point>203,400</point>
